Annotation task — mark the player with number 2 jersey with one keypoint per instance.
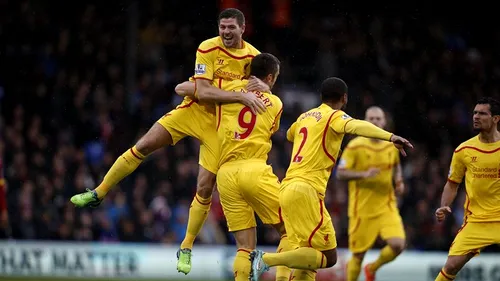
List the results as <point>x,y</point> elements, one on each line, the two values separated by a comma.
<point>316,135</point>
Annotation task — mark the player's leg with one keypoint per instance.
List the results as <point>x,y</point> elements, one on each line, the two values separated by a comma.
<point>309,227</point>
<point>260,188</point>
<point>282,272</point>
<point>354,266</point>
<point>198,213</point>
<point>157,137</point>
<point>303,275</point>
<point>392,232</point>
<point>470,240</point>
<point>452,266</point>
<point>169,129</point>
<point>246,241</point>
<point>200,206</point>
<point>240,219</point>
<point>363,233</point>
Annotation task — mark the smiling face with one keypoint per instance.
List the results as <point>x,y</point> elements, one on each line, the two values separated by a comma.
<point>231,32</point>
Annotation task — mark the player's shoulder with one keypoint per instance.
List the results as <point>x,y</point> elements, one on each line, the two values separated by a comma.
<point>274,99</point>
<point>473,142</point>
<point>251,49</point>
<point>209,44</point>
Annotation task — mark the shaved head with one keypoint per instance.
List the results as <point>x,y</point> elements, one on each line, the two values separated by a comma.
<point>376,116</point>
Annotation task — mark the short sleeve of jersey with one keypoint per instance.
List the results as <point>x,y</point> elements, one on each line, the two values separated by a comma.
<point>348,158</point>
<point>277,110</point>
<point>339,120</point>
<point>457,167</point>
<point>291,132</point>
<point>205,58</point>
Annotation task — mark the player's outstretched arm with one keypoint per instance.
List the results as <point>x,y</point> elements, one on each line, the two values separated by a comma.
<point>186,88</point>
<point>206,92</point>
<point>448,196</point>
<point>367,129</point>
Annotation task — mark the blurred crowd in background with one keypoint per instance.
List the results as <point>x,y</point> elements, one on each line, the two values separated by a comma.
<point>81,83</point>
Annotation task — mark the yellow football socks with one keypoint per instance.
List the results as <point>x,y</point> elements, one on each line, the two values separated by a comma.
<point>242,265</point>
<point>283,272</point>
<point>301,258</point>
<point>443,276</point>
<point>198,213</point>
<point>386,255</point>
<point>123,166</point>
<point>353,269</point>
<point>303,275</point>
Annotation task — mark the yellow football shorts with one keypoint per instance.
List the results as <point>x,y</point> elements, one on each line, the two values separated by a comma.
<point>307,221</point>
<point>195,120</point>
<point>363,232</point>
<point>474,236</point>
<point>245,187</point>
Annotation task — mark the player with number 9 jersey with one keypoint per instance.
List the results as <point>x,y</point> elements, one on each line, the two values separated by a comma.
<point>245,181</point>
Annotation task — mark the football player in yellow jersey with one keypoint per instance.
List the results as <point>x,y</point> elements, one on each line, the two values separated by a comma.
<point>246,183</point>
<point>478,160</point>
<point>371,166</point>
<point>316,135</point>
<point>225,57</point>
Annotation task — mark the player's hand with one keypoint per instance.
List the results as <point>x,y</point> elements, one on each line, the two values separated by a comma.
<point>401,143</point>
<point>255,104</point>
<point>255,84</point>
<point>372,172</point>
<point>400,188</point>
<point>442,212</point>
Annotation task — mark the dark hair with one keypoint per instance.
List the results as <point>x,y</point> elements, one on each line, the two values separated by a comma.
<point>263,65</point>
<point>333,89</point>
<point>232,13</point>
<point>494,104</point>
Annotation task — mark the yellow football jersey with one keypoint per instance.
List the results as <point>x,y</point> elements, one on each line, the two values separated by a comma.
<point>374,196</point>
<point>242,134</point>
<point>215,62</point>
<point>316,135</point>
<point>480,164</point>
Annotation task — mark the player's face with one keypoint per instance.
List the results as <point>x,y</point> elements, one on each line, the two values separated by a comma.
<point>376,117</point>
<point>230,32</point>
<point>482,119</point>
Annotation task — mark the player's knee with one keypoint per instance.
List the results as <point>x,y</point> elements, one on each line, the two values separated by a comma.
<point>397,245</point>
<point>206,183</point>
<point>155,138</point>
<point>359,256</point>
<point>451,268</point>
<point>331,257</point>
<point>454,264</point>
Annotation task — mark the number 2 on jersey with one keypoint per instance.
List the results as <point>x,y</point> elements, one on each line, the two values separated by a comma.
<point>303,132</point>
<point>248,126</point>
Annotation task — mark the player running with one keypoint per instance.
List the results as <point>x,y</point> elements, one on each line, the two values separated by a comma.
<point>371,166</point>
<point>478,160</point>
<point>316,135</point>
<point>225,57</point>
<point>246,183</point>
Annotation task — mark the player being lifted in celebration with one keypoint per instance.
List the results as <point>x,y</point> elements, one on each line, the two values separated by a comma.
<point>245,181</point>
<point>371,166</point>
<point>225,57</point>
<point>316,135</point>
<point>478,159</point>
